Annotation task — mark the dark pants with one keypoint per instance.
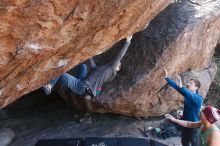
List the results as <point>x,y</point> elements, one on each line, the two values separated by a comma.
<point>75,84</point>
<point>190,135</point>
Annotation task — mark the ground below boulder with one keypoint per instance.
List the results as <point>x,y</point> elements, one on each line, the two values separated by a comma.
<point>37,116</point>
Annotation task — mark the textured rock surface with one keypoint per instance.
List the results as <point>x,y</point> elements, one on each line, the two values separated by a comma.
<point>42,39</point>
<point>180,38</point>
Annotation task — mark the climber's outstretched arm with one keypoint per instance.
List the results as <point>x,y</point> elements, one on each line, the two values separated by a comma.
<point>121,53</point>
<point>92,64</point>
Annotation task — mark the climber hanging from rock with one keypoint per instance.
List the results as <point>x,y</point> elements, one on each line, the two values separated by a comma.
<point>91,84</point>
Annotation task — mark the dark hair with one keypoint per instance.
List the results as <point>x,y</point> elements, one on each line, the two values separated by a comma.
<point>197,83</point>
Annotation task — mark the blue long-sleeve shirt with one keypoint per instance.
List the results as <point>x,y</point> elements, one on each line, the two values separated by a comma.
<point>192,101</point>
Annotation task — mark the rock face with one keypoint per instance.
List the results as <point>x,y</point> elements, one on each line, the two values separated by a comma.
<point>43,39</point>
<point>181,38</point>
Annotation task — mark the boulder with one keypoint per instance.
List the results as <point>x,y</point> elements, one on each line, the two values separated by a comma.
<point>182,39</point>
<point>43,39</point>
